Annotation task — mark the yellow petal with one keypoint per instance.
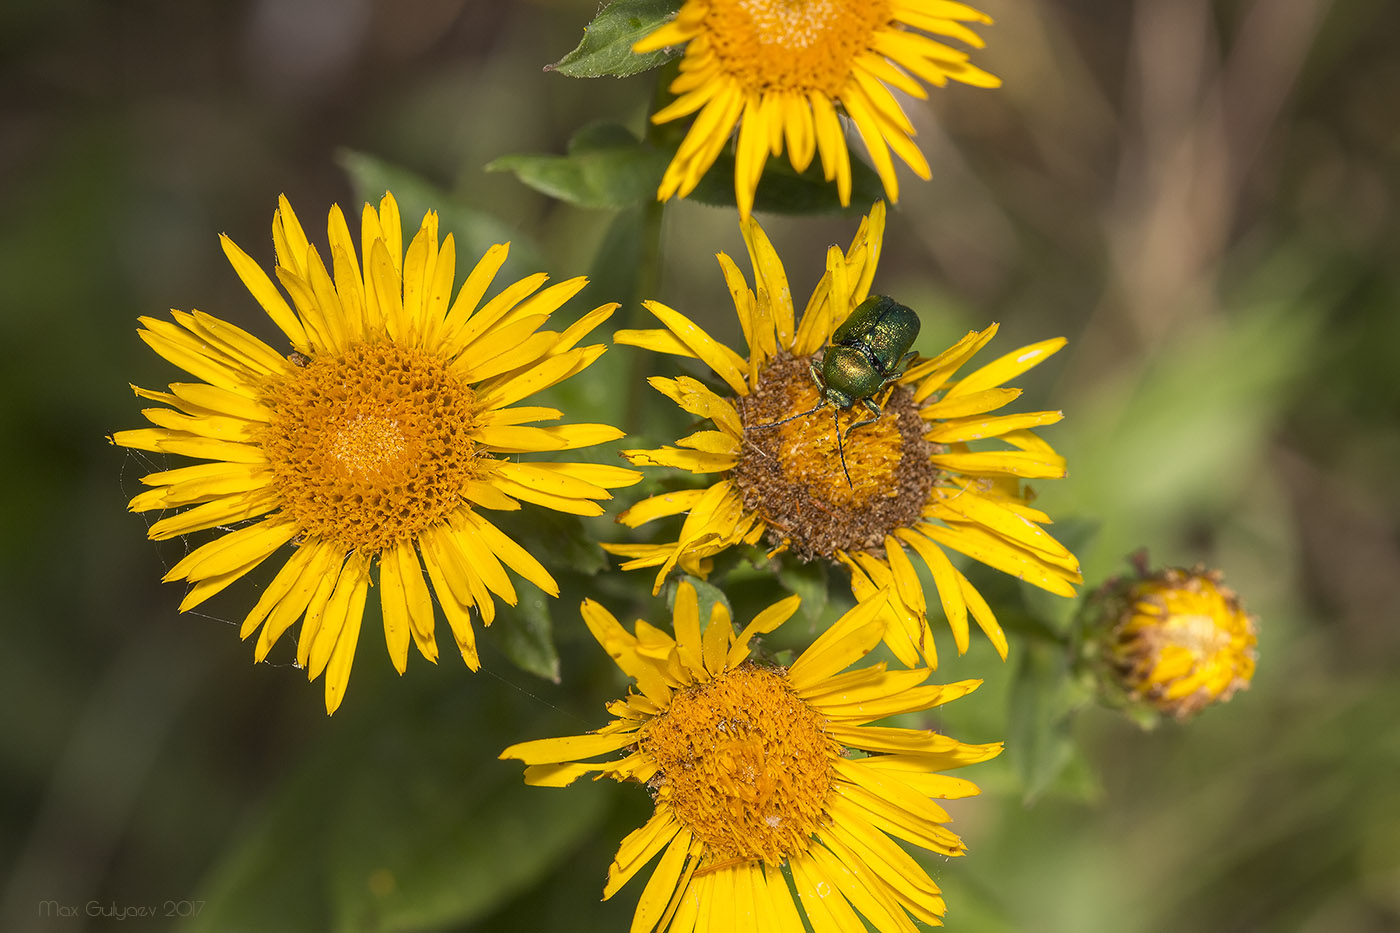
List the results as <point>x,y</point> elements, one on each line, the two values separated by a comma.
<point>849,639</point>
<point>727,364</point>
<point>639,847</point>
<point>692,460</point>
<point>266,294</point>
<point>512,554</point>
<point>568,748</point>
<point>1007,367</point>
<point>670,503</point>
<point>692,396</point>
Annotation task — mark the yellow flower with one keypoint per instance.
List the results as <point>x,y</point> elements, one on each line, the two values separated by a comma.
<point>915,478</point>
<point>1178,640</point>
<point>779,69</point>
<point>375,442</point>
<point>752,772</point>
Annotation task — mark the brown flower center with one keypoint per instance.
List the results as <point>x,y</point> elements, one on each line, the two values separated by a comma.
<point>792,45</point>
<point>791,474</point>
<point>370,447</point>
<point>744,763</point>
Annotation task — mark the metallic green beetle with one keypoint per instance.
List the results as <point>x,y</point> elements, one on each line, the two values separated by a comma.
<point>867,352</point>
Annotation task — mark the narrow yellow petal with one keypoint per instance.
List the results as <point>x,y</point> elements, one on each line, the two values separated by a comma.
<point>694,461</point>
<point>474,288</point>
<point>234,550</point>
<point>316,608</point>
<point>522,438</point>
<point>324,563</point>
<point>512,554</point>
<point>338,671</point>
<point>512,346</point>
<point>457,608</point>
<point>660,506</point>
<point>346,600</point>
<point>770,277</point>
<point>849,639</point>
<point>945,578</point>
<point>824,905</point>
<point>974,429</point>
<point>726,364</point>
<point>510,388</point>
<point>1007,367</point>
<point>694,397</point>
<point>639,847</point>
<point>658,341</point>
<point>568,748</point>
<point>395,611</point>
<point>478,556</point>
<point>282,584</point>
<point>662,886</point>
<point>260,286</point>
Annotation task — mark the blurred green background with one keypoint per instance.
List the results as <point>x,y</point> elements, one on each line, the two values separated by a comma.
<point>1203,196</point>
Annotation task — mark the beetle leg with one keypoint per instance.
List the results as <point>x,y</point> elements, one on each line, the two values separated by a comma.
<point>875,412</point>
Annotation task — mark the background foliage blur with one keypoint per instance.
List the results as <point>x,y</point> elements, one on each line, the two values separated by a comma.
<point>1203,196</point>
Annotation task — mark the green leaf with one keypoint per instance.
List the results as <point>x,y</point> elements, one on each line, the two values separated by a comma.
<point>475,231</point>
<point>606,167</point>
<point>707,593</point>
<point>402,819</point>
<point>808,581</point>
<point>1044,697</point>
<point>607,43</point>
<point>783,190</point>
<point>525,635</point>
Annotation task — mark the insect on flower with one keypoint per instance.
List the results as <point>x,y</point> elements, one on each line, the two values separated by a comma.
<point>867,353</point>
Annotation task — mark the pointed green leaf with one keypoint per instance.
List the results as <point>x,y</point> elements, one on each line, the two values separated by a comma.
<point>607,43</point>
<point>606,167</point>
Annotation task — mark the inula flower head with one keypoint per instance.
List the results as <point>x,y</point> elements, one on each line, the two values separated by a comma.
<point>1175,641</point>
<point>785,71</point>
<point>758,772</point>
<point>374,446</point>
<point>936,470</point>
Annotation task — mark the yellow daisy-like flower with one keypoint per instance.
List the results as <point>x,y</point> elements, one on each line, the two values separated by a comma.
<point>754,777</point>
<point>1178,640</point>
<point>915,478</point>
<point>780,69</point>
<point>374,443</point>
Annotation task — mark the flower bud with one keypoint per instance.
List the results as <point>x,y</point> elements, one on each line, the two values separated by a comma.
<point>1174,641</point>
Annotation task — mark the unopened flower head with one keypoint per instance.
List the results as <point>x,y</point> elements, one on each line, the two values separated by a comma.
<point>936,470</point>
<point>374,444</point>
<point>1175,640</point>
<point>759,771</point>
<point>785,72</point>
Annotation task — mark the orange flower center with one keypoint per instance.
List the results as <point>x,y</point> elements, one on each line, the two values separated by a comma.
<point>370,447</point>
<point>792,45</point>
<point>745,765</point>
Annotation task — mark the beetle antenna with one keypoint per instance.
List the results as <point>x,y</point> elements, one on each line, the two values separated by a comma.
<point>840,448</point>
<point>800,414</point>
